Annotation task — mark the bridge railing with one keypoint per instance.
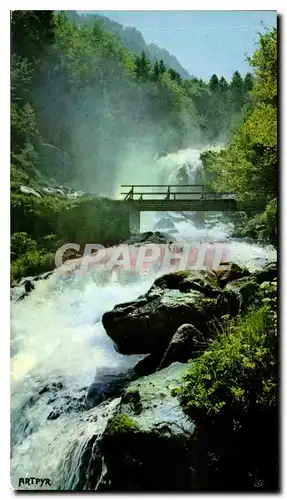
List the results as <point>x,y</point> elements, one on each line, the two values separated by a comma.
<point>171,192</point>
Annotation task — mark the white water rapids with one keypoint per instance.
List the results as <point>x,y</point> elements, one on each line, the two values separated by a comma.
<point>59,347</point>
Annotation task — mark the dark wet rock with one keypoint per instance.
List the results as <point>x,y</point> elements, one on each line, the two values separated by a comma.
<point>70,254</point>
<point>150,237</point>
<point>54,415</point>
<point>186,343</point>
<point>246,289</point>
<point>148,365</point>
<point>148,324</point>
<point>202,281</point>
<point>229,302</point>
<point>149,328</point>
<point>230,272</point>
<point>147,445</point>
<point>26,285</point>
<point>43,276</point>
<point>29,286</point>
<point>267,273</point>
<point>107,384</point>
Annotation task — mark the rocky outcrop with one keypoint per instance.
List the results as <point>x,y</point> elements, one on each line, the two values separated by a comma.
<point>108,383</point>
<point>267,273</point>
<point>180,314</point>
<point>147,445</point>
<point>233,272</point>
<point>149,237</point>
<point>27,285</point>
<point>29,190</point>
<point>62,191</point>
<point>148,324</point>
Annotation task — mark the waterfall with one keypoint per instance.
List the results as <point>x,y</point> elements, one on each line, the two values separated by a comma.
<point>59,348</point>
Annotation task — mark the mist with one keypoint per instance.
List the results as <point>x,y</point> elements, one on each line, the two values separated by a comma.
<point>113,132</point>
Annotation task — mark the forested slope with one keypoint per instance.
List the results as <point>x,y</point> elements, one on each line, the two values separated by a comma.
<point>83,106</point>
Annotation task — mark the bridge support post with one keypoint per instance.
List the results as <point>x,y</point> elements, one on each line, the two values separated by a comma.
<point>135,221</point>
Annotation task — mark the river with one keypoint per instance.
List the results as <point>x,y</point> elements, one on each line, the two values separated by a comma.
<point>59,348</point>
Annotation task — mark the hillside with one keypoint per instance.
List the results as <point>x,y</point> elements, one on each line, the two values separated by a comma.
<point>133,41</point>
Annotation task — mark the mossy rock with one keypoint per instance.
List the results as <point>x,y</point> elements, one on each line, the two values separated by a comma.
<point>246,289</point>
<point>267,273</point>
<point>121,424</point>
<point>150,450</point>
<point>233,272</point>
<point>187,280</point>
<point>132,396</point>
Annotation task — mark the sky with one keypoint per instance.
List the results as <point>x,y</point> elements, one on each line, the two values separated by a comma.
<point>204,42</point>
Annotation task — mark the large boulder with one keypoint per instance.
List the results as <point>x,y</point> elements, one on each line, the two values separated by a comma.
<point>148,440</point>
<point>155,237</point>
<point>148,324</point>
<point>247,290</point>
<point>230,272</point>
<point>108,383</point>
<point>267,273</point>
<point>186,343</point>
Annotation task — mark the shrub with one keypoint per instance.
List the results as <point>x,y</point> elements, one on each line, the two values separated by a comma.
<point>231,393</point>
<point>20,244</point>
<point>32,263</point>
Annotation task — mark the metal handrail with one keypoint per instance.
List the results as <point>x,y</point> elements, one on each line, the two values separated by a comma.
<point>169,195</point>
<point>162,185</point>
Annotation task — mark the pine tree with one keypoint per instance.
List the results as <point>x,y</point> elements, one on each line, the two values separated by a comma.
<point>142,66</point>
<point>248,82</point>
<point>223,85</point>
<point>237,91</point>
<point>155,72</point>
<point>214,83</point>
<point>162,68</point>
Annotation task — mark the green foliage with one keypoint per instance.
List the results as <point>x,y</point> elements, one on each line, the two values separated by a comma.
<point>31,32</point>
<point>224,374</point>
<point>85,93</point>
<point>142,67</point>
<point>24,132</point>
<point>21,243</point>
<point>32,263</point>
<point>262,226</point>
<point>248,166</point>
<point>49,222</point>
<point>264,60</point>
<point>214,83</point>
<point>231,393</point>
<point>220,105</point>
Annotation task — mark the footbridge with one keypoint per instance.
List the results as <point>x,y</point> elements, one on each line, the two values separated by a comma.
<point>181,198</point>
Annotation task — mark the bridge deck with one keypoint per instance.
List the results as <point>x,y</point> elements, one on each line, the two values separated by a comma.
<point>183,198</point>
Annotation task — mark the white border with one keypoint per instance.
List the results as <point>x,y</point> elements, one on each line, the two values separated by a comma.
<point>280,6</point>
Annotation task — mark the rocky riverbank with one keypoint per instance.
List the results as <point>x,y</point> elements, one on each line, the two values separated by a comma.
<point>217,329</point>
